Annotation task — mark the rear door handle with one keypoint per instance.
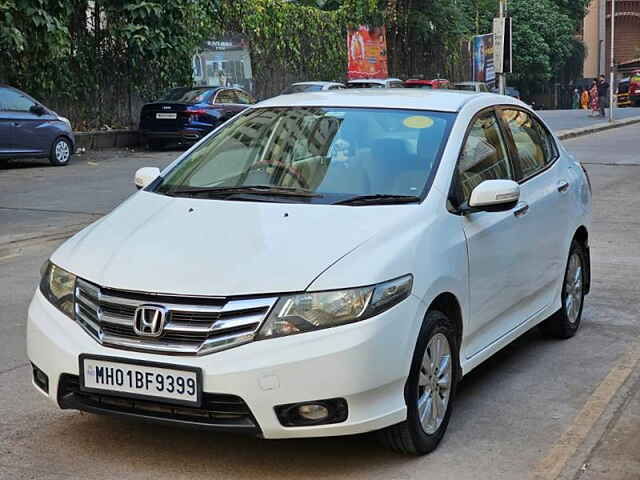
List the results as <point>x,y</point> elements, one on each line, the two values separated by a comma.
<point>521,210</point>
<point>563,186</point>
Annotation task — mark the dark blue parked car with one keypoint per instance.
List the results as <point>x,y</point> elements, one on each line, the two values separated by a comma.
<point>29,129</point>
<point>186,114</point>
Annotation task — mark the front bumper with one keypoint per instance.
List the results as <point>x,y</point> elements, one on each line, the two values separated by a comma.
<point>365,363</point>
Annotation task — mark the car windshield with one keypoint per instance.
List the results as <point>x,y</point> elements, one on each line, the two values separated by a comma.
<point>465,86</point>
<point>418,85</point>
<point>185,95</point>
<point>315,155</point>
<point>302,88</point>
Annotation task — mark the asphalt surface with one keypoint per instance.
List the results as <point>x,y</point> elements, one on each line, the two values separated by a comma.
<point>509,414</point>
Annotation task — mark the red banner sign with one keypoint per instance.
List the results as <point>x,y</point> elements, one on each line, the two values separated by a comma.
<point>367,48</point>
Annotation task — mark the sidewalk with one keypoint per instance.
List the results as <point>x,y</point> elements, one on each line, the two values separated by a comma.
<point>617,454</point>
<point>615,450</point>
<point>569,119</point>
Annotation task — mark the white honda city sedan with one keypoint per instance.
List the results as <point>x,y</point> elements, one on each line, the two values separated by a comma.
<point>323,264</point>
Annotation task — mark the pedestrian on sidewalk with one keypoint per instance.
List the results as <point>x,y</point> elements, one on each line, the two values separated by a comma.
<point>584,99</point>
<point>575,104</point>
<point>593,99</point>
<point>603,95</point>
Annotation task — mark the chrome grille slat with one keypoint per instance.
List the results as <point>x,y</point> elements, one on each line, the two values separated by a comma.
<point>191,328</point>
<point>90,323</point>
<point>116,319</point>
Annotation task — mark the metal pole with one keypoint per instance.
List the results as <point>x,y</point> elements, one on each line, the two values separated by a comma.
<point>613,63</point>
<point>502,84</point>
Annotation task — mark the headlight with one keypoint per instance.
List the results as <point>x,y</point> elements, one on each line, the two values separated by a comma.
<point>58,286</point>
<point>306,312</point>
<point>65,120</point>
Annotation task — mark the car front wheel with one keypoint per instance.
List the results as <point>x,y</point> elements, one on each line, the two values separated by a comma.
<point>61,152</point>
<point>429,391</point>
<point>565,322</point>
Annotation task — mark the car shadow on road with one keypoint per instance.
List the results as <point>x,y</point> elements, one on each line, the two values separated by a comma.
<point>24,163</point>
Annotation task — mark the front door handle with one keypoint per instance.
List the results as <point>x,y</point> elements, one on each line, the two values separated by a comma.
<point>563,186</point>
<point>521,210</point>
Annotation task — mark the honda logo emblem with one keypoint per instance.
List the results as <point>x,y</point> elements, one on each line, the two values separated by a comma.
<point>148,320</point>
<point>166,107</point>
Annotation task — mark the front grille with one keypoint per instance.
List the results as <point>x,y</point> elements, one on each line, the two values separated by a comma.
<point>218,411</point>
<point>193,325</point>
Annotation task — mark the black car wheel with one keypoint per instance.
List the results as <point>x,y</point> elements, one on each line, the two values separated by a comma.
<point>61,152</point>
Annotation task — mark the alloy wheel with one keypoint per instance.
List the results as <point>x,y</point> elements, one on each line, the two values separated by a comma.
<point>62,151</point>
<point>434,383</point>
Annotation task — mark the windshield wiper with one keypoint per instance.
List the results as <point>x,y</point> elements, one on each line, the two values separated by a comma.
<point>378,199</point>
<point>250,189</point>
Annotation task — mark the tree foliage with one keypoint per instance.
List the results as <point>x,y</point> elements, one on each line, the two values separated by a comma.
<point>93,53</point>
<point>89,55</point>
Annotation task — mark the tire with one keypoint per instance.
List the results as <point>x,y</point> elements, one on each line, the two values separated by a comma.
<point>61,152</point>
<point>566,321</point>
<point>411,436</point>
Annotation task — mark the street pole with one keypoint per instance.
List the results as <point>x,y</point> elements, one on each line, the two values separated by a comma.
<point>613,63</point>
<point>502,84</point>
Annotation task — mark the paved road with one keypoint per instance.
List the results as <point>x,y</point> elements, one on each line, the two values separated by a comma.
<point>509,415</point>
<point>569,119</point>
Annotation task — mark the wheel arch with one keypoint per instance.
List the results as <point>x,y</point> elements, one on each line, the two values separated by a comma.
<point>67,138</point>
<point>447,303</point>
<point>582,237</point>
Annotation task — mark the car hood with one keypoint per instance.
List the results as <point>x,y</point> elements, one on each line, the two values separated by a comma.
<point>161,244</point>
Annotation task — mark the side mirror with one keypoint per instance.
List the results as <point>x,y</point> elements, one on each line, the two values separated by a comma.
<point>37,109</point>
<point>494,196</point>
<point>145,175</point>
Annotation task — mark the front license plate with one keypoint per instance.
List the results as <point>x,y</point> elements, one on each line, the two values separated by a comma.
<point>146,380</point>
<point>166,116</point>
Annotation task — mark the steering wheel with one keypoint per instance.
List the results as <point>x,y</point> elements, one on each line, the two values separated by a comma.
<point>282,167</point>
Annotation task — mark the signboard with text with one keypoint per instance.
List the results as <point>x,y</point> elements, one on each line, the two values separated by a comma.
<point>502,45</point>
<point>483,68</point>
<point>367,50</point>
<point>224,61</point>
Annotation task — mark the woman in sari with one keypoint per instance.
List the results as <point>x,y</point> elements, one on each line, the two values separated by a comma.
<point>593,96</point>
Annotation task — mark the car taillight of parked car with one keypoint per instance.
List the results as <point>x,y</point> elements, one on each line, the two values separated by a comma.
<point>196,112</point>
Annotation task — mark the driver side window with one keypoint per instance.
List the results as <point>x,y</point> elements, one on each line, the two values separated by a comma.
<point>484,156</point>
<point>12,101</point>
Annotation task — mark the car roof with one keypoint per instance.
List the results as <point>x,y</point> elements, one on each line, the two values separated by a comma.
<point>401,98</point>
<point>321,83</point>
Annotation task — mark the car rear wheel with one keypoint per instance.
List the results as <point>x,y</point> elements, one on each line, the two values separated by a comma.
<point>565,322</point>
<point>61,152</point>
<point>429,391</point>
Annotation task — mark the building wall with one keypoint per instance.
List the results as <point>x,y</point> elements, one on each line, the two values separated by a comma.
<point>627,35</point>
<point>591,38</point>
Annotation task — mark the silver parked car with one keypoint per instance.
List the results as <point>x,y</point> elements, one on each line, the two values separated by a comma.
<point>301,87</point>
<point>29,129</point>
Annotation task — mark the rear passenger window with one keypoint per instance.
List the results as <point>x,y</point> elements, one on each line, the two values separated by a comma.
<point>225,96</point>
<point>242,98</point>
<point>534,146</point>
<point>484,156</point>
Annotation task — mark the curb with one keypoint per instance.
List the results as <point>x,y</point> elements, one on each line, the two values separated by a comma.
<point>107,139</point>
<point>598,127</point>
